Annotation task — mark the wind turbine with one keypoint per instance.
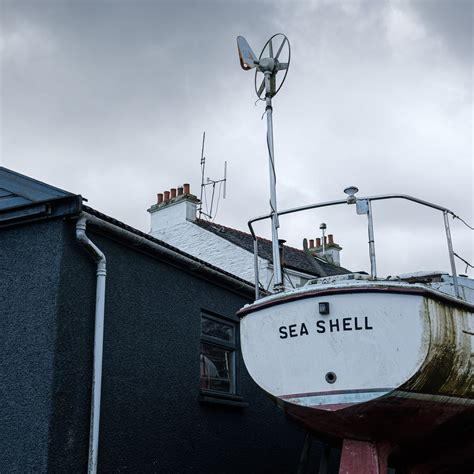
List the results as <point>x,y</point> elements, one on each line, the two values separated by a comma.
<point>269,64</point>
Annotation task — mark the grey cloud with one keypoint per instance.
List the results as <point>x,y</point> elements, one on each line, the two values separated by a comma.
<point>451,21</point>
<point>113,105</point>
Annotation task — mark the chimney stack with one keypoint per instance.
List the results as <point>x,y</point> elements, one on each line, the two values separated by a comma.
<point>332,250</point>
<point>172,207</point>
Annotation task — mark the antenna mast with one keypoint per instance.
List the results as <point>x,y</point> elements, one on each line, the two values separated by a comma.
<point>203,166</point>
<point>269,64</point>
<point>210,182</point>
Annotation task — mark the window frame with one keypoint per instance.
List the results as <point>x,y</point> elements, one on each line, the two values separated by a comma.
<point>231,398</point>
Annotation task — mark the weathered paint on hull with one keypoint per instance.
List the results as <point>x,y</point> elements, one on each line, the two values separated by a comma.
<point>416,431</point>
<point>432,404</point>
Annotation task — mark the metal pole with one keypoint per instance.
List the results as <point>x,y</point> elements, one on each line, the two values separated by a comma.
<point>373,265</point>
<point>255,263</point>
<point>203,166</point>
<point>451,254</point>
<point>277,286</point>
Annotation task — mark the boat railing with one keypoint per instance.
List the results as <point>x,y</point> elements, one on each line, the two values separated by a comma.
<point>363,206</point>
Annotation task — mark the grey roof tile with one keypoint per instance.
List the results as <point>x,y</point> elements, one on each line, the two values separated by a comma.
<point>295,259</point>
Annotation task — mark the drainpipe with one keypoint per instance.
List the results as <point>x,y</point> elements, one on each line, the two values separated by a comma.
<point>99,258</point>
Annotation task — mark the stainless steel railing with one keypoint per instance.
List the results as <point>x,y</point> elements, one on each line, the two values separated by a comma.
<point>363,206</point>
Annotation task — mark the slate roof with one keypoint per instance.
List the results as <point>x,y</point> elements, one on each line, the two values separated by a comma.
<point>17,190</point>
<point>295,259</point>
<point>22,197</point>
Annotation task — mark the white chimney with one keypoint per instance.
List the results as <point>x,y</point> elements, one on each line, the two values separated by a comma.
<point>173,207</point>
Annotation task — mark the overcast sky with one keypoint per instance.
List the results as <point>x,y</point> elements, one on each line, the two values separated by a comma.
<point>109,99</point>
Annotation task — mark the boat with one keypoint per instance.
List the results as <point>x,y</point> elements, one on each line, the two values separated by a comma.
<point>382,366</point>
<point>386,362</point>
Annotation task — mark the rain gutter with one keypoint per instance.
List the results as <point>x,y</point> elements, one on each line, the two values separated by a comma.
<point>146,243</point>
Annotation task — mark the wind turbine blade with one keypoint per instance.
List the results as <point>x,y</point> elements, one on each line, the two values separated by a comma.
<point>270,47</point>
<point>280,48</point>
<point>260,89</point>
<point>247,57</point>
<point>282,66</point>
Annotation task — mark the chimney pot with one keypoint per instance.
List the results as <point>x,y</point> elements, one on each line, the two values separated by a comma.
<point>325,240</point>
<point>173,193</point>
<point>311,243</point>
<point>166,196</point>
<point>331,238</point>
<point>318,242</point>
<point>160,198</point>
<point>186,188</point>
<point>180,190</point>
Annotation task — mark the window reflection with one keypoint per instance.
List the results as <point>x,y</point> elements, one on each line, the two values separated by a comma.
<point>216,368</point>
<point>213,328</point>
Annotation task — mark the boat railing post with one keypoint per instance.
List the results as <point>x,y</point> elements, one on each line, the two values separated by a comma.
<point>255,263</point>
<point>370,222</point>
<point>451,254</point>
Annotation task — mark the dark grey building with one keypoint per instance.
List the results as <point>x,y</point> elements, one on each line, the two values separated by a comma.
<point>176,396</point>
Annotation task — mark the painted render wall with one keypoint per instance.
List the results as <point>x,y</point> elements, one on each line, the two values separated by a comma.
<point>152,420</point>
<point>211,248</point>
<point>30,265</point>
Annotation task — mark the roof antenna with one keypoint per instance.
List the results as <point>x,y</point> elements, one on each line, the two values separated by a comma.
<point>210,182</point>
<point>269,63</point>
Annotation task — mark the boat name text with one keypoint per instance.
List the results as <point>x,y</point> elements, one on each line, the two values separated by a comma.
<point>322,326</point>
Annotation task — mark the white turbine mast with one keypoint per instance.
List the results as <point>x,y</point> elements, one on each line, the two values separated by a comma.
<point>275,57</point>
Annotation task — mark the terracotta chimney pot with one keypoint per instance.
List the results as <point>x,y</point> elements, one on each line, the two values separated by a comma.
<point>173,193</point>
<point>186,188</point>
<point>180,190</point>
<point>166,196</point>
<point>311,243</point>
<point>159,198</point>
<point>331,238</point>
<point>318,242</point>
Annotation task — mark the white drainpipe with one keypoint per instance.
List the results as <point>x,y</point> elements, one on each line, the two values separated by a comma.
<point>99,258</point>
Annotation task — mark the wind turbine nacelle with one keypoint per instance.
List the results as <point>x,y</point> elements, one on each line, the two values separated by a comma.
<point>266,65</point>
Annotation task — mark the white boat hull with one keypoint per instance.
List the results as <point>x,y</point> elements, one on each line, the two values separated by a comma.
<point>392,352</point>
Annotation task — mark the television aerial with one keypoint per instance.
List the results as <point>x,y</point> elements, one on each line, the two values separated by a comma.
<point>274,58</point>
<point>210,182</point>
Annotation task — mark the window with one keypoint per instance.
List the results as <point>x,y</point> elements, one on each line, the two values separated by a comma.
<point>217,358</point>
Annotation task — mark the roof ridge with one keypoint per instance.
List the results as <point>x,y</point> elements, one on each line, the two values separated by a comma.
<point>248,234</point>
<point>243,240</point>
